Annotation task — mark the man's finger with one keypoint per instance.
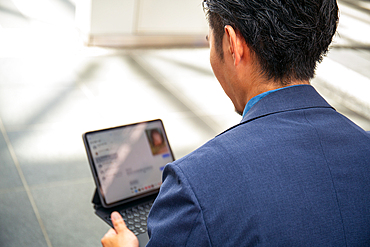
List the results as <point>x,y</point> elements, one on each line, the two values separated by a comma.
<point>118,223</point>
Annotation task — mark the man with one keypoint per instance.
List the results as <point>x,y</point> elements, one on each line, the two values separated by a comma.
<point>294,172</point>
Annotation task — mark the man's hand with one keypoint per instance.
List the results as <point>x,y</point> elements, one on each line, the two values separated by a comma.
<point>120,236</point>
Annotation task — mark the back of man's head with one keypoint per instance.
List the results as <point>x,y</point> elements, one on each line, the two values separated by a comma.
<point>288,37</point>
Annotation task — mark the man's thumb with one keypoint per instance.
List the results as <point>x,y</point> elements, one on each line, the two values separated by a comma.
<point>118,223</point>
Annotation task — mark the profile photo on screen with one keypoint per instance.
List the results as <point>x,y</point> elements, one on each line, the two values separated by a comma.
<point>156,141</point>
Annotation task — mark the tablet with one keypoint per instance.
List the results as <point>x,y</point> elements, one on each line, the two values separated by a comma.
<point>127,161</point>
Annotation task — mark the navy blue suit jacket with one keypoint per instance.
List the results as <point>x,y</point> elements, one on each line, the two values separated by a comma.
<point>294,172</point>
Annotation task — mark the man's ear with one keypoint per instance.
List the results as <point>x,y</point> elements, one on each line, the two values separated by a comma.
<point>235,43</point>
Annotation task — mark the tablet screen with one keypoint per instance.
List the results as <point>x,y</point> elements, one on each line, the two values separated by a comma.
<point>127,161</point>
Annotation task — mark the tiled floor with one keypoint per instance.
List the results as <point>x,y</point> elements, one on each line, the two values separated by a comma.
<point>52,90</point>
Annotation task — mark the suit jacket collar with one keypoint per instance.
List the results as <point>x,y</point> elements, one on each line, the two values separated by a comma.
<point>288,99</point>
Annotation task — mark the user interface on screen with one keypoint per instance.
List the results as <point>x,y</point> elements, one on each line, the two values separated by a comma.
<point>129,160</point>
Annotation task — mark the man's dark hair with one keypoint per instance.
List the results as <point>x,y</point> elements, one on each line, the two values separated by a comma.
<point>288,37</point>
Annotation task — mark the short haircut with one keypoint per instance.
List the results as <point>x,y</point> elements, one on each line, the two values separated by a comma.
<point>288,37</point>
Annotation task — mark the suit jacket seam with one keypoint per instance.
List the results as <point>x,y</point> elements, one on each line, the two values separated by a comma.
<point>197,201</point>
<point>331,176</point>
<point>187,239</point>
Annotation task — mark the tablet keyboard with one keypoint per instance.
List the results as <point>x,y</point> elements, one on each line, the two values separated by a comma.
<point>136,217</point>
